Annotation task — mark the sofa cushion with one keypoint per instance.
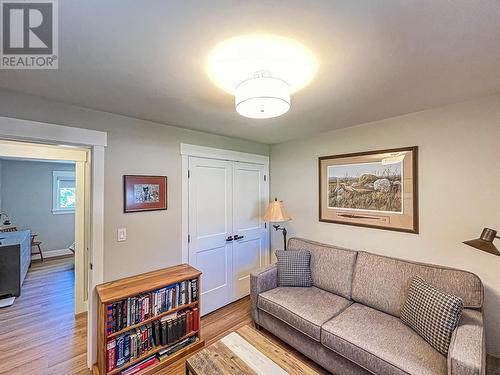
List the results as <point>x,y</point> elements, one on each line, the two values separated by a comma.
<point>305,309</point>
<point>381,343</point>
<point>434,315</point>
<point>332,267</point>
<point>293,268</point>
<point>382,282</point>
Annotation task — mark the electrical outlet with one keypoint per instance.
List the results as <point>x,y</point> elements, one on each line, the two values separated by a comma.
<point>122,234</point>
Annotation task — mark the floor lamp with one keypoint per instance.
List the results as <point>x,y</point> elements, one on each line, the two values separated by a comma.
<point>485,241</point>
<point>276,213</point>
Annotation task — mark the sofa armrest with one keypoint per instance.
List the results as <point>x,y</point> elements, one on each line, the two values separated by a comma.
<point>467,353</point>
<point>262,280</point>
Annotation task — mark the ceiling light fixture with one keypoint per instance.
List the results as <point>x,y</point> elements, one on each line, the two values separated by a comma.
<point>261,71</point>
<point>262,96</point>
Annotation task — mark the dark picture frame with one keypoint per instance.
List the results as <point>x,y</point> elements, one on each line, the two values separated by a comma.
<point>343,192</point>
<point>144,193</point>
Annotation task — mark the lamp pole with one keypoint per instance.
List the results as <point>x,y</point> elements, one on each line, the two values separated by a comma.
<point>283,229</point>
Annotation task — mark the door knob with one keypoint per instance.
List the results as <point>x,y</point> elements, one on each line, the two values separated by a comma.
<point>229,238</point>
<point>238,237</point>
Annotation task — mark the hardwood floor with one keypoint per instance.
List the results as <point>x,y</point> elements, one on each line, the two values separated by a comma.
<point>226,320</point>
<point>40,335</point>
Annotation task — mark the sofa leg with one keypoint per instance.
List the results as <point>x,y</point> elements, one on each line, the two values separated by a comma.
<point>258,327</point>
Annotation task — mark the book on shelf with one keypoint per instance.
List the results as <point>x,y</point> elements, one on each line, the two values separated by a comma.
<point>109,319</point>
<point>167,352</point>
<point>136,342</point>
<point>196,319</point>
<point>111,355</point>
<point>120,359</point>
<point>134,310</point>
<point>140,366</point>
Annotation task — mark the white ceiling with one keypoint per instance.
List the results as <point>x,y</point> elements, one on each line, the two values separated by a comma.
<point>378,59</point>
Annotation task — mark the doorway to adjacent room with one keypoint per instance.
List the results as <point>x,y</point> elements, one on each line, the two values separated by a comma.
<point>44,142</point>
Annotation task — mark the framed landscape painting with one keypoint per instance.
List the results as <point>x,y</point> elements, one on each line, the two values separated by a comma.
<point>376,189</point>
<point>144,193</point>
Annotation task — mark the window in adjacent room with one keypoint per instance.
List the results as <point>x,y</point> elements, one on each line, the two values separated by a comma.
<point>64,192</point>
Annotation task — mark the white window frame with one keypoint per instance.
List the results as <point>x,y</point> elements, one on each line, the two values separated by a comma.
<point>56,175</point>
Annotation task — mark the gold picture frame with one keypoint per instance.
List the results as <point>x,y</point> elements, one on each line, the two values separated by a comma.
<point>375,189</point>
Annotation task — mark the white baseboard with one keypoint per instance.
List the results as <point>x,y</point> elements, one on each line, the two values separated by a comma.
<point>52,253</point>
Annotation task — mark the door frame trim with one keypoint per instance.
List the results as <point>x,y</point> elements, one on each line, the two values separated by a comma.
<point>46,133</point>
<point>221,154</point>
<point>187,150</point>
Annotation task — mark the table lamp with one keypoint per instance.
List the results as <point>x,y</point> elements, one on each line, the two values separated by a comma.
<point>276,213</point>
<point>7,220</point>
<point>485,241</point>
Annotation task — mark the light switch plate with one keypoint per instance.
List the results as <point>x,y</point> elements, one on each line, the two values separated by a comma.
<point>122,234</point>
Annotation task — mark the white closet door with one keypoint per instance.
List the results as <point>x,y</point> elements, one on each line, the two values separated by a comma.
<point>250,197</point>
<point>210,224</point>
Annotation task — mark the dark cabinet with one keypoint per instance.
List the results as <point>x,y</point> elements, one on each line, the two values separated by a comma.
<point>15,258</point>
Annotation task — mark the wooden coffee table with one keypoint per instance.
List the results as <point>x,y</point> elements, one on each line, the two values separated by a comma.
<point>245,352</point>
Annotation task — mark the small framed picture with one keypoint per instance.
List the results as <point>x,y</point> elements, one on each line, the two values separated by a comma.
<point>144,193</point>
<point>376,189</point>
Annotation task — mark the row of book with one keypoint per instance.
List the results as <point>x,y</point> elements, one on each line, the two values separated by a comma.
<point>172,327</point>
<point>161,356</point>
<point>133,310</point>
<point>137,342</point>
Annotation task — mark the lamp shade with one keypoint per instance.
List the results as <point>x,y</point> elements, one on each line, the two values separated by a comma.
<point>276,212</point>
<point>485,241</point>
<point>262,97</point>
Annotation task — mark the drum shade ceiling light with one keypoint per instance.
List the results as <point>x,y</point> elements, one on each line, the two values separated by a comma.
<point>261,71</point>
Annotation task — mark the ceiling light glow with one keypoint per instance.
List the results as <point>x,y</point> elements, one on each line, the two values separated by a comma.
<point>261,71</point>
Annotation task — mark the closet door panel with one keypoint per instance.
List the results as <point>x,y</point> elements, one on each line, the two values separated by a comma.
<point>210,224</point>
<point>249,201</point>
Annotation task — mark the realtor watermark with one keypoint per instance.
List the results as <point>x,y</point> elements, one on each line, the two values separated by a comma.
<point>29,34</point>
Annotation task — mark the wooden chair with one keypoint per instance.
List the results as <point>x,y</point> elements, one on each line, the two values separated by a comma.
<point>8,229</point>
<point>37,245</point>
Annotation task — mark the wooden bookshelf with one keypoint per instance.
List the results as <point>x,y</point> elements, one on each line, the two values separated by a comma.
<point>131,287</point>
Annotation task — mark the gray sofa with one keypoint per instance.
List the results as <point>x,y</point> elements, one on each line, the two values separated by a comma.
<point>348,322</point>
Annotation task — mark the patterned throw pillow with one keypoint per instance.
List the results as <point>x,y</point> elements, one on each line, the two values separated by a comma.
<point>431,313</point>
<point>293,268</point>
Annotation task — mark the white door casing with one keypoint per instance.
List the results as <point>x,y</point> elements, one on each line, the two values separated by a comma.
<point>51,134</point>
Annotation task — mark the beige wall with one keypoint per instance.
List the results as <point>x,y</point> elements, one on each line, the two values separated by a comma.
<point>459,183</point>
<point>134,147</point>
